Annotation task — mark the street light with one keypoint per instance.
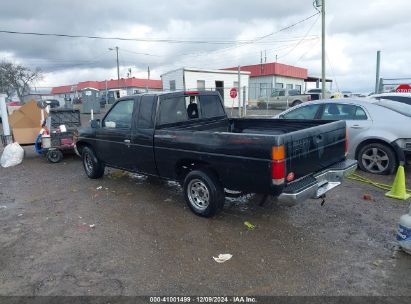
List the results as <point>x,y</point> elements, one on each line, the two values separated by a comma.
<point>322,4</point>
<point>118,67</point>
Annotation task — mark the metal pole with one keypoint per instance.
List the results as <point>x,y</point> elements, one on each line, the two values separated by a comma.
<point>244,102</point>
<point>118,69</point>
<point>323,49</point>
<point>4,116</point>
<point>106,94</point>
<point>377,73</point>
<point>239,91</point>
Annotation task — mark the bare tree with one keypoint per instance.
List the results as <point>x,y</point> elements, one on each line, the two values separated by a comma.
<point>15,78</point>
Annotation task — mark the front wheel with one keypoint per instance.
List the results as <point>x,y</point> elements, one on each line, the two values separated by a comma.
<point>377,158</point>
<point>203,193</point>
<point>92,165</point>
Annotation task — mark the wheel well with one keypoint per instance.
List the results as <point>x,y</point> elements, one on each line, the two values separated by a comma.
<point>80,146</point>
<point>186,166</point>
<point>296,102</point>
<point>378,141</point>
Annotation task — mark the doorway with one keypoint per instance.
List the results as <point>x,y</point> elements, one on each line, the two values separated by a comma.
<point>219,86</point>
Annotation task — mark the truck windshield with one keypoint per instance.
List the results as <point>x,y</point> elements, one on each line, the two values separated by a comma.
<point>398,107</point>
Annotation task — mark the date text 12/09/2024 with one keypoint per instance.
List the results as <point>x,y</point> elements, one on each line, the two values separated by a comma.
<point>202,299</point>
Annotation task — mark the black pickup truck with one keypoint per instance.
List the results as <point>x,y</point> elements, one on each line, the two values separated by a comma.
<point>187,137</point>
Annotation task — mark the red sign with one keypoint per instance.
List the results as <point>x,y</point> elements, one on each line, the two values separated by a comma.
<point>403,88</point>
<point>233,93</point>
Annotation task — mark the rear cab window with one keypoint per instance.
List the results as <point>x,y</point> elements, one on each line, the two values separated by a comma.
<point>189,108</point>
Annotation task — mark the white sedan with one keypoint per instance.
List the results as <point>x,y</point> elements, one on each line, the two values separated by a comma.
<point>379,131</point>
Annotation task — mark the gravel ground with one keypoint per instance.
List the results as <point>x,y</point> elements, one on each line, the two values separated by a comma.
<point>62,235</point>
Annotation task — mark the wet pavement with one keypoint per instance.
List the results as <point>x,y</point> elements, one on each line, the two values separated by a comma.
<point>64,234</point>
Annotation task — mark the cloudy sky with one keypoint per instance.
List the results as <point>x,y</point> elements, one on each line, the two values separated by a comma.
<point>207,34</point>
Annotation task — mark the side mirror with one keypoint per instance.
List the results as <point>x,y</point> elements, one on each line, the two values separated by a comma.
<point>281,116</point>
<point>95,123</point>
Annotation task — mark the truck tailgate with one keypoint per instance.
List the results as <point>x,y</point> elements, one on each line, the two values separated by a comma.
<point>315,148</point>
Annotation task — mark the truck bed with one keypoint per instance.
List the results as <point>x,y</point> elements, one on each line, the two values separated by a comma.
<point>240,149</point>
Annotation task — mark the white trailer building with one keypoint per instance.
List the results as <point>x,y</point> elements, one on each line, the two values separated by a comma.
<point>187,79</point>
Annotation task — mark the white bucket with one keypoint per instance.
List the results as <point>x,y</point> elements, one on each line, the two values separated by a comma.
<point>46,142</point>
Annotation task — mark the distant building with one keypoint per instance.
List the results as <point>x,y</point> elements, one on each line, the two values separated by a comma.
<point>266,77</point>
<point>223,81</point>
<point>114,88</point>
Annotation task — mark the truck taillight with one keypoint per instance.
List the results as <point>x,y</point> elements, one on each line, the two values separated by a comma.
<point>278,165</point>
<point>346,142</point>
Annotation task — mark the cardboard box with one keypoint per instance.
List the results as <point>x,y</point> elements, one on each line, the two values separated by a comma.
<point>25,123</point>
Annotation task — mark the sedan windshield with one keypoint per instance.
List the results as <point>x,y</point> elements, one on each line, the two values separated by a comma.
<point>398,107</point>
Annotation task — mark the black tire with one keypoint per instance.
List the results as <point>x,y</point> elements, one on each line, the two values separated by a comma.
<point>54,156</point>
<point>93,167</point>
<point>296,103</point>
<point>203,193</point>
<point>377,158</point>
<point>262,105</point>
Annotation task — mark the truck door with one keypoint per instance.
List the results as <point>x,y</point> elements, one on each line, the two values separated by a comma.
<point>142,149</point>
<point>114,136</point>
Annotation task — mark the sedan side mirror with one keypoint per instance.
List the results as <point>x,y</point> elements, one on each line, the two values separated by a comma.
<point>281,116</point>
<point>95,123</point>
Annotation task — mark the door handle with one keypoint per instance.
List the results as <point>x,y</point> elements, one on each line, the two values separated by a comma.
<point>127,141</point>
<point>356,127</point>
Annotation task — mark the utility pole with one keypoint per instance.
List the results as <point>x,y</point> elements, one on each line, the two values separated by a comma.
<point>118,66</point>
<point>239,91</point>
<point>377,74</point>
<point>323,88</point>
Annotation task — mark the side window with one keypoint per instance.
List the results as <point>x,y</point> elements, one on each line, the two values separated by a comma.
<point>145,114</point>
<point>172,85</point>
<point>360,114</point>
<point>336,111</point>
<point>304,112</point>
<point>211,106</point>
<point>172,110</point>
<point>201,85</point>
<point>120,115</point>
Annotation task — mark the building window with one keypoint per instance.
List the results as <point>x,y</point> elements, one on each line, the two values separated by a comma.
<point>201,85</point>
<point>289,86</point>
<point>264,89</point>
<point>172,85</point>
<point>279,85</point>
<point>298,87</point>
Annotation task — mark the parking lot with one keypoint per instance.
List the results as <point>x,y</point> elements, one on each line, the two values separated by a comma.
<point>65,234</point>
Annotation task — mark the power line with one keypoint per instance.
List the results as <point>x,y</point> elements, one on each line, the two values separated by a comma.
<point>155,40</point>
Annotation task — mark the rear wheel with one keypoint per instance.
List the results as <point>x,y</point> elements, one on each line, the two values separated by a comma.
<point>377,158</point>
<point>296,103</point>
<point>92,165</point>
<point>203,193</point>
<point>54,156</point>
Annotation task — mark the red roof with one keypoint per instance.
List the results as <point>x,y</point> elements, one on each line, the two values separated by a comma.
<point>111,84</point>
<point>274,68</point>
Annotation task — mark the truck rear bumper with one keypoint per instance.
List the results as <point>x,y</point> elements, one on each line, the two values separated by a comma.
<point>315,186</point>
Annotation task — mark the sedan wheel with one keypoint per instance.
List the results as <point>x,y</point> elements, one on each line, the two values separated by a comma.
<point>377,158</point>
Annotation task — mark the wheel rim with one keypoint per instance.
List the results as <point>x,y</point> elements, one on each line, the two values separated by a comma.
<point>88,163</point>
<point>375,160</point>
<point>198,194</point>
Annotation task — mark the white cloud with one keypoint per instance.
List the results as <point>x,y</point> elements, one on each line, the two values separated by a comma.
<point>355,31</point>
